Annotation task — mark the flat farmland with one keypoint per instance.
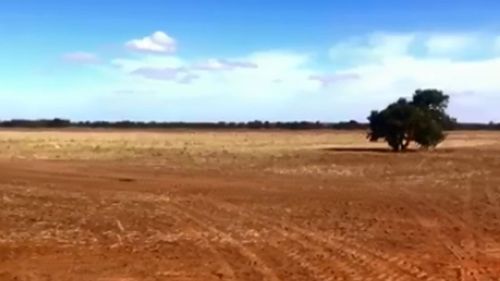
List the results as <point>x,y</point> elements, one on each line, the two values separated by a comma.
<point>246,205</point>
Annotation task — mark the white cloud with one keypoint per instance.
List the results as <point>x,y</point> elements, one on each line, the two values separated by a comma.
<point>158,42</point>
<point>188,78</point>
<point>250,77</point>
<point>399,72</point>
<point>179,75</point>
<point>330,79</point>
<point>223,64</point>
<point>497,44</point>
<point>81,57</point>
<point>167,74</point>
<point>450,44</point>
<point>150,61</point>
<point>279,60</point>
<point>365,73</point>
<point>372,48</point>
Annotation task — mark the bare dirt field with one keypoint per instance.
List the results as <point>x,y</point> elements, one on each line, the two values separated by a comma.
<point>194,205</point>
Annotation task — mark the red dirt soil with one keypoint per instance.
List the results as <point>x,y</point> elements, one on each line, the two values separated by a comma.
<point>319,215</point>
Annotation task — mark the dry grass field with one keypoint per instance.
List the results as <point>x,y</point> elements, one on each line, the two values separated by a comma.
<point>237,205</point>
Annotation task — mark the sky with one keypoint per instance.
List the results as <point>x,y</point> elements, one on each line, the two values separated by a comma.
<point>242,60</point>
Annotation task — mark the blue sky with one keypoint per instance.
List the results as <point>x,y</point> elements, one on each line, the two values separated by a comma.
<point>244,60</point>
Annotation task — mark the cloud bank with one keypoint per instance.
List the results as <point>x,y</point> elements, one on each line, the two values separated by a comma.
<point>360,73</point>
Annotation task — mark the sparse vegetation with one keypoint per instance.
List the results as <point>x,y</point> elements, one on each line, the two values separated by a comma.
<point>115,205</point>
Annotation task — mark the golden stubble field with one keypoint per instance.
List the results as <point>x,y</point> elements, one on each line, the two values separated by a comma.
<point>246,205</point>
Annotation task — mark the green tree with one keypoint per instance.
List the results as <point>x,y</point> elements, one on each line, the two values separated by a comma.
<point>421,120</point>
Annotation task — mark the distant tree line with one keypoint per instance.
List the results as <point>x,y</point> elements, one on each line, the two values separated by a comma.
<point>64,123</point>
<point>295,125</point>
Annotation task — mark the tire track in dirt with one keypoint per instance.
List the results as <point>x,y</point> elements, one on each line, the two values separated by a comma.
<point>469,267</point>
<point>393,268</point>
<point>487,248</point>
<point>226,272</point>
<point>380,267</point>
<point>470,242</point>
<point>464,255</point>
<point>492,246</point>
<point>319,273</point>
<point>449,245</point>
<point>482,245</point>
<point>259,265</point>
<point>295,255</point>
<point>339,265</point>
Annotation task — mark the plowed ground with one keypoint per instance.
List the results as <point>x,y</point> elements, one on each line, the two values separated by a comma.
<point>116,206</point>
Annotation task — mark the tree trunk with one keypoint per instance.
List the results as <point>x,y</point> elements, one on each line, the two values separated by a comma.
<point>406,143</point>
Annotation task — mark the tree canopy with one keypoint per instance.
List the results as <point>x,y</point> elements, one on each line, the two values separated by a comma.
<point>421,120</point>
